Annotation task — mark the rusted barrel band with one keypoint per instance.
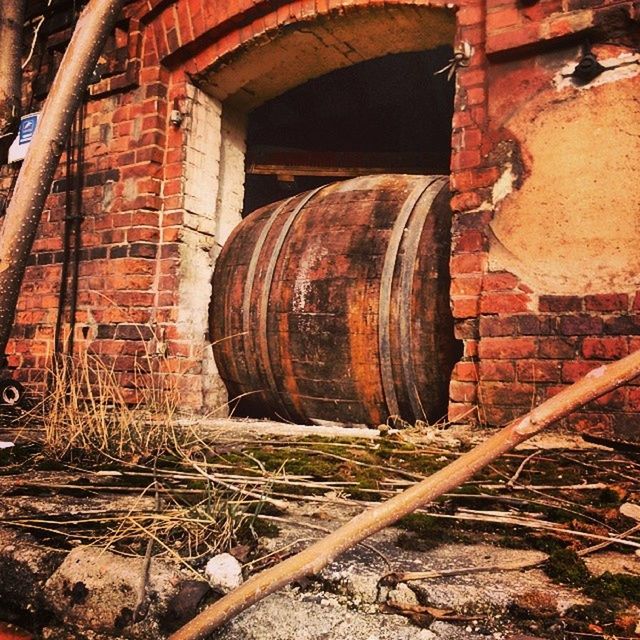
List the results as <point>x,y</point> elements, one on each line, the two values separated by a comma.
<point>249,353</point>
<point>386,283</point>
<point>407,272</point>
<point>263,338</point>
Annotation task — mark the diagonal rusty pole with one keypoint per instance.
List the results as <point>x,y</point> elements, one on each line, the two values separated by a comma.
<point>313,559</point>
<point>36,174</point>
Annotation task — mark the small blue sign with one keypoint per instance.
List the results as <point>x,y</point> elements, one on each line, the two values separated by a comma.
<point>27,128</point>
<point>26,131</point>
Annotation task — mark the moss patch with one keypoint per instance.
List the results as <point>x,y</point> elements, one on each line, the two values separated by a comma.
<point>566,567</point>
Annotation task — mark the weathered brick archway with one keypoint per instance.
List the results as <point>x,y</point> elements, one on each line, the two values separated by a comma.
<point>155,190</point>
<point>219,69</point>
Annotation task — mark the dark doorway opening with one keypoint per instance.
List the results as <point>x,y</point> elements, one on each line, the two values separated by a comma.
<point>387,115</point>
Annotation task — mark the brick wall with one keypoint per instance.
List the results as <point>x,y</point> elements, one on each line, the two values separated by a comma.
<point>531,327</point>
<point>158,199</point>
<point>155,194</point>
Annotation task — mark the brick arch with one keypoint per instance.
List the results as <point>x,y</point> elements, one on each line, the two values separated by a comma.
<point>256,63</point>
<point>224,46</point>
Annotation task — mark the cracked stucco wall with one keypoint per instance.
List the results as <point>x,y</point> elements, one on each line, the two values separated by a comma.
<point>572,226</point>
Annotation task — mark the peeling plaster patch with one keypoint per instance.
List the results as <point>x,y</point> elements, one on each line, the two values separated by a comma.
<point>196,269</point>
<point>504,185</point>
<point>626,65</point>
<point>572,226</point>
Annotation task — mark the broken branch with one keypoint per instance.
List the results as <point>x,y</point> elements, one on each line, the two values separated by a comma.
<point>314,558</point>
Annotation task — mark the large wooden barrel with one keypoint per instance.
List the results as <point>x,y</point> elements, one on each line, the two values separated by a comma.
<point>333,305</point>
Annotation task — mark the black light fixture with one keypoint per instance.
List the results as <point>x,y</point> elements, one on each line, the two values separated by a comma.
<point>588,67</point>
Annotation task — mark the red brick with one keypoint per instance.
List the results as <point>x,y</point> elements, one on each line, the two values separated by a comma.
<point>574,371</point>
<point>493,326</point>
<point>499,281</point>
<point>503,302</point>
<point>580,325</point>
<point>462,412</point>
<point>476,95</point>
<point>605,348</point>
<point>563,348</point>
<point>505,17</point>
<point>466,307</point>
<point>470,241</point>
<point>615,399</point>
<point>506,394</point>
<point>466,286</point>
<point>571,23</point>
<point>512,38</point>
<point>468,14</point>
<point>470,180</point>
<point>503,370</point>
<point>462,391</point>
<point>465,371</point>
<point>622,325</point>
<point>498,415</point>
<point>539,370</point>
<point>466,201</point>
<point>501,348</point>
<point>467,159</point>
<point>560,303</point>
<point>471,77</point>
<point>461,119</point>
<point>470,348</point>
<point>607,302</point>
<point>464,263</point>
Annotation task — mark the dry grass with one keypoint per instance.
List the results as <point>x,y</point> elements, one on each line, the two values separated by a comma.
<point>87,414</point>
<point>179,505</point>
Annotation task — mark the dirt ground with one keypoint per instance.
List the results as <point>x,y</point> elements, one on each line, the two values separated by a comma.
<point>542,544</point>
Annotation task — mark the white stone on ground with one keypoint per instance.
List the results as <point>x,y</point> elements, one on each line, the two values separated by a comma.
<point>223,572</point>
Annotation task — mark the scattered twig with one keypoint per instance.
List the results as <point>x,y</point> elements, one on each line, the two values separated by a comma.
<point>395,577</point>
<point>608,543</point>
<point>512,481</point>
<point>532,524</point>
<point>142,604</point>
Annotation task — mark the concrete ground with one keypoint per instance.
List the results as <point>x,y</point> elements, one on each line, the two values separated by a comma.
<point>76,591</point>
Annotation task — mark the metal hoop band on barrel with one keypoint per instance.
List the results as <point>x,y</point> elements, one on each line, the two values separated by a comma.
<point>263,338</point>
<point>386,284</point>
